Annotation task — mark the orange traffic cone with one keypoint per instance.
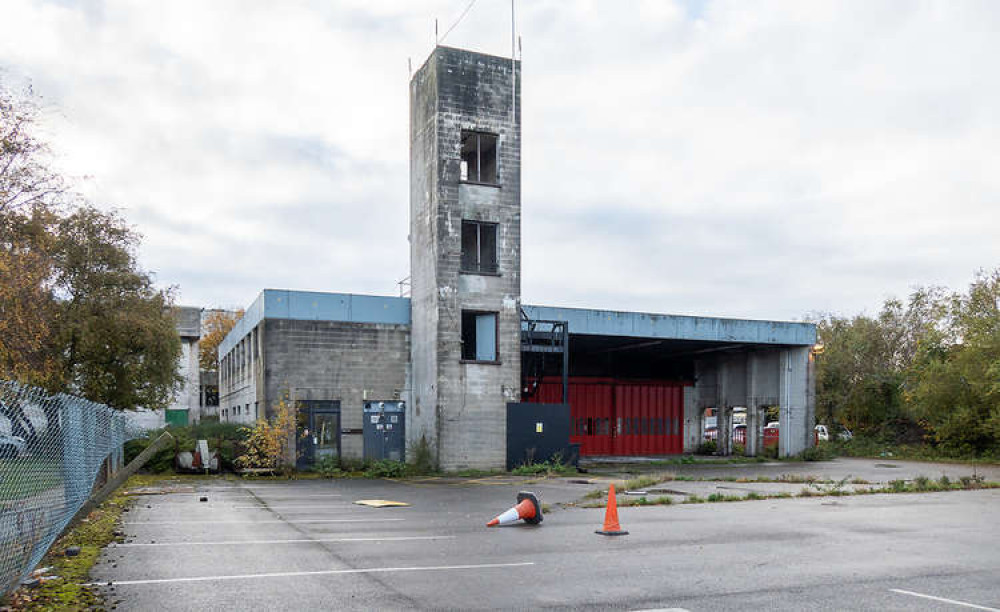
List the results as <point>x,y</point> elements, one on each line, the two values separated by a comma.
<point>527,509</point>
<point>611,526</point>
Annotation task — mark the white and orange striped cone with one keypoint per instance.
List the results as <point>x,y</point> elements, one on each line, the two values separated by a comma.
<point>527,509</point>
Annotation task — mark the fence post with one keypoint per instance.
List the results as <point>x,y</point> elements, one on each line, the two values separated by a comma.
<point>118,479</point>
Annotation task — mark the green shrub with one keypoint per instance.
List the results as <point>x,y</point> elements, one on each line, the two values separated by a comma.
<point>897,486</point>
<point>708,447</point>
<point>162,461</point>
<point>770,452</point>
<point>553,467</point>
<point>224,438</point>
<point>816,453</point>
<point>352,465</point>
<point>945,482</point>
<point>531,469</point>
<point>922,483</point>
<point>328,467</point>
<point>386,468</point>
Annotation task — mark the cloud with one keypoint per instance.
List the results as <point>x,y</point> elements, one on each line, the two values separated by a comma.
<point>761,160</point>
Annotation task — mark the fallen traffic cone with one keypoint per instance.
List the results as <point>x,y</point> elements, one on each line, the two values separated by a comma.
<point>527,509</point>
<point>611,526</point>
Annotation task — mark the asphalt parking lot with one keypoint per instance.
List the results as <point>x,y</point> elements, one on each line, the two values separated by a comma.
<point>304,545</point>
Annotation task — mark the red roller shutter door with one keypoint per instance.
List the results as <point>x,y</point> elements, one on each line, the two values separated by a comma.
<point>616,417</point>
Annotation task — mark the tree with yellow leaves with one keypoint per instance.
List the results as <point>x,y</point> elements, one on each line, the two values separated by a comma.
<point>270,444</point>
<point>217,324</point>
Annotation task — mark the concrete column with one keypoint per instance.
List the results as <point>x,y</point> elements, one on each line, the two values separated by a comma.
<point>693,420</point>
<point>725,428</point>
<point>796,422</point>
<point>751,403</point>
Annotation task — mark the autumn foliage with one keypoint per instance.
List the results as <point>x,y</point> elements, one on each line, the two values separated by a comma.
<point>270,442</point>
<point>216,325</point>
<point>77,313</point>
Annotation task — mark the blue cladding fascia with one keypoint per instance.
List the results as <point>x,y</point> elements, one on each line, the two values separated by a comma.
<point>318,306</point>
<point>676,327</point>
<point>253,315</point>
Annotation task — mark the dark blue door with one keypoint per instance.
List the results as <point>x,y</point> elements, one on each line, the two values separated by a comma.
<point>318,425</point>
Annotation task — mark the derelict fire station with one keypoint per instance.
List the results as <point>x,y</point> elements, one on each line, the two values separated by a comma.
<point>463,365</point>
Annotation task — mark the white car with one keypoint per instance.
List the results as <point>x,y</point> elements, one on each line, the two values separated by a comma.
<point>822,433</point>
<point>11,446</point>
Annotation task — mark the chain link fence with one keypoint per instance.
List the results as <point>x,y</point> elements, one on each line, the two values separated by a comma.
<point>52,448</point>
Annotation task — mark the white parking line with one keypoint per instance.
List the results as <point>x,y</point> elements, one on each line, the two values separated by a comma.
<point>225,495</point>
<point>265,521</point>
<point>302,541</point>
<point>371,570</point>
<point>944,600</point>
<point>280,507</point>
<point>297,496</point>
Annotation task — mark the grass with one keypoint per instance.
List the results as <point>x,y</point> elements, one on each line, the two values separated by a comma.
<point>24,477</point>
<point>633,484</point>
<point>67,592</point>
<point>645,501</point>
<point>546,468</point>
<point>642,482</point>
<point>695,460</point>
<point>875,447</point>
<point>721,497</point>
<point>816,488</point>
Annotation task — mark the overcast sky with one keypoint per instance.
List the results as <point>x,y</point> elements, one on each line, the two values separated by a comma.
<point>742,159</point>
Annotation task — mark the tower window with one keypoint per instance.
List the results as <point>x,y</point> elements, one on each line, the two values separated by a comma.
<point>479,157</point>
<point>479,336</point>
<point>479,247</point>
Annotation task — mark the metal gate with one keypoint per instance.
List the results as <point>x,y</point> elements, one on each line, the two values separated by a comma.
<point>620,417</point>
<point>385,430</point>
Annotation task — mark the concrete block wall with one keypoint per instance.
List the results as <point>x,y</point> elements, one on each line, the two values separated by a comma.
<point>335,360</point>
<point>462,406</point>
<point>422,415</point>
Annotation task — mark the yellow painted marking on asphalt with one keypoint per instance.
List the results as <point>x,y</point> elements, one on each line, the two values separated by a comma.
<point>380,503</point>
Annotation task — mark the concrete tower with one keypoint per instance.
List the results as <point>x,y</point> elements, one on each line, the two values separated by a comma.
<point>465,255</point>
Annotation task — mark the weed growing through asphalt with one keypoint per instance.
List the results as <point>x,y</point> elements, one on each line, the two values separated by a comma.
<point>645,501</point>
<point>722,497</point>
<point>644,481</point>
<point>834,489</point>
